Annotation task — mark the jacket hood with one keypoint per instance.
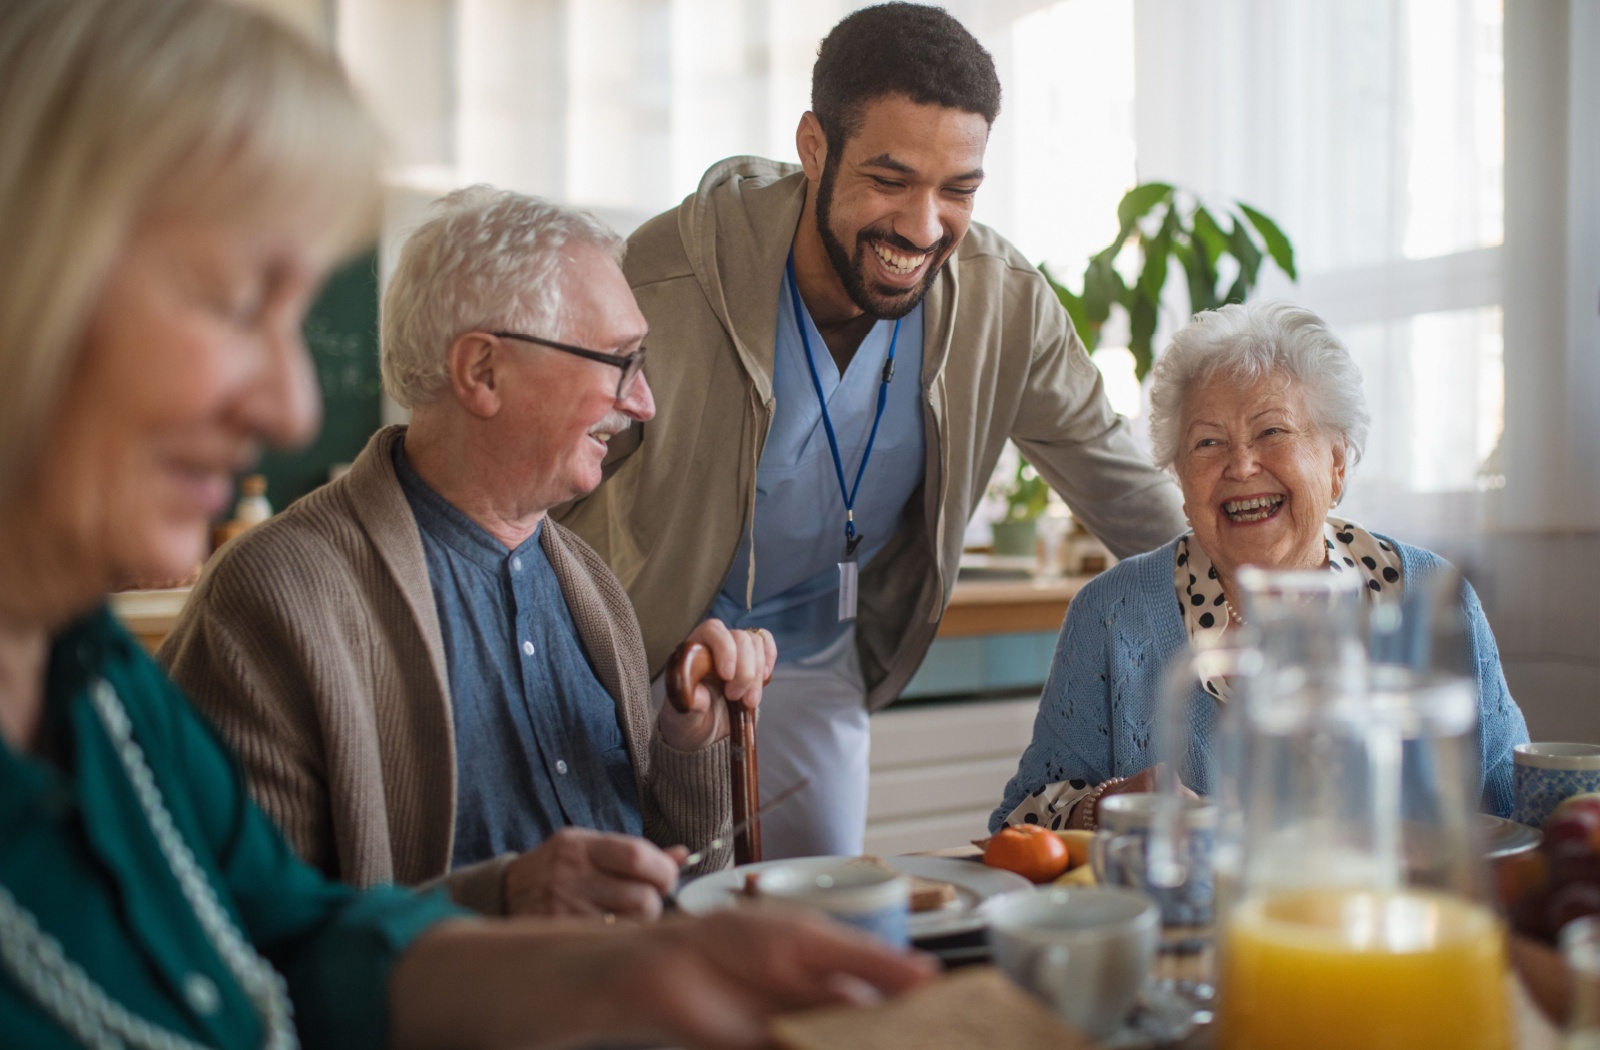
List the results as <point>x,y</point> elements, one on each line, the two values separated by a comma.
<point>745,213</point>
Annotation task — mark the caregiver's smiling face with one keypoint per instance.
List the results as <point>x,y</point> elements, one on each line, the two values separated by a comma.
<point>895,203</point>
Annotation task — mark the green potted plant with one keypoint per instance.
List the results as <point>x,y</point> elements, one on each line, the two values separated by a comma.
<point>1161,223</point>
<point>1026,495</point>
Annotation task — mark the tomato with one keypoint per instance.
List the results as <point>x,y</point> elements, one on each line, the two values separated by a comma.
<point>1029,850</point>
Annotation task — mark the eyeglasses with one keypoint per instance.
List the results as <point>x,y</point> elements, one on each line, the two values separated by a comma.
<point>629,363</point>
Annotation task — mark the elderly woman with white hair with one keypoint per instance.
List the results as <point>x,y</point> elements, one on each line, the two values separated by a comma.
<point>1258,410</point>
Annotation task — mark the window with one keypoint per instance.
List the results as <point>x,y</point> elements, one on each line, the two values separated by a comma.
<point>1372,130</point>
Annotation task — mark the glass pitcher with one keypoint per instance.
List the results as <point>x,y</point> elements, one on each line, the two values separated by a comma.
<point>1361,916</point>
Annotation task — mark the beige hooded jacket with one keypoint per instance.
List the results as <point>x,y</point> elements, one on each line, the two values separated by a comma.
<point>1000,359</point>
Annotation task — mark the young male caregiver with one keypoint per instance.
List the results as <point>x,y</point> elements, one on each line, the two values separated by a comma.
<point>838,355</point>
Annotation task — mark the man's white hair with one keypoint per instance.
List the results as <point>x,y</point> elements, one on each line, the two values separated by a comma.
<point>486,260</point>
<point>1245,343</point>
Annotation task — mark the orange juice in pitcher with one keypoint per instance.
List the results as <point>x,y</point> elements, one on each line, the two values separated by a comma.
<point>1340,969</point>
<point>1360,917</point>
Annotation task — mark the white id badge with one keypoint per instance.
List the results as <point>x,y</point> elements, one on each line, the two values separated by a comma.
<point>847,590</point>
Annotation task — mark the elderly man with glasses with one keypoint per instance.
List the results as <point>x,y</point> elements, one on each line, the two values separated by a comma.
<point>424,677</point>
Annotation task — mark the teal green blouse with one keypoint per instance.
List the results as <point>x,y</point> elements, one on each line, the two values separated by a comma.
<point>77,852</point>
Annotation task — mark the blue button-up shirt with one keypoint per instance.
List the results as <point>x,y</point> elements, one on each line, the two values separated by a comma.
<point>799,522</point>
<point>538,744</point>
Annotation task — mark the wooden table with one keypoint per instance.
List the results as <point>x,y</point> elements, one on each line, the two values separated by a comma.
<point>1533,1030</point>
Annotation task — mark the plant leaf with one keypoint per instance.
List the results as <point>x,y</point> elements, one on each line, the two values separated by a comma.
<point>1136,204</point>
<point>1088,333</point>
<point>1154,275</point>
<point>1202,278</point>
<point>1278,245</point>
<point>1210,235</point>
<point>1102,286</point>
<point>1142,324</point>
<point>1241,247</point>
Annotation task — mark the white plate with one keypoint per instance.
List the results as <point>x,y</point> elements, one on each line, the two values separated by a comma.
<point>974,883</point>
<point>1503,838</point>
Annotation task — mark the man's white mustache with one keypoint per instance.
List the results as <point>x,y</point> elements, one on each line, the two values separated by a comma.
<point>615,423</point>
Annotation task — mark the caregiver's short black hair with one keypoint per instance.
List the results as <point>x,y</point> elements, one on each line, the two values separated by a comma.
<point>915,50</point>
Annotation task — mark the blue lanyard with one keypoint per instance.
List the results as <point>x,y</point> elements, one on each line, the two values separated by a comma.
<point>851,539</point>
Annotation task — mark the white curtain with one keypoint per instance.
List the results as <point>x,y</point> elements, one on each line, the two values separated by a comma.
<point>1372,130</point>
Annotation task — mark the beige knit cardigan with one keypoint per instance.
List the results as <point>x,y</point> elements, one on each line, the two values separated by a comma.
<point>313,644</point>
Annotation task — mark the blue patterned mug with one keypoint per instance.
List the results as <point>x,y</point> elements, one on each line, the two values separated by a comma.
<point>1544,775</point>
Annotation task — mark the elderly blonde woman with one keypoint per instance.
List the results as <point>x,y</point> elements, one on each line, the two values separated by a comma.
<point>1258,410</point>
<point>177,178</point>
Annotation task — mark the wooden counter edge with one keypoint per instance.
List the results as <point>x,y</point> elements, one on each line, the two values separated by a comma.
<point>984,607</point>
<point>149,615</point>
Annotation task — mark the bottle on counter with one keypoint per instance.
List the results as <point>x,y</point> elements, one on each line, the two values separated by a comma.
<point>251,510</point>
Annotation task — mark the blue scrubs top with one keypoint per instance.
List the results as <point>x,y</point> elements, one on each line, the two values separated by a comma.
<point>800,516</point>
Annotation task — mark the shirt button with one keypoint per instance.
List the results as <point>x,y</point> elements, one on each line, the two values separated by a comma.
<point>527,648</point>
<point>201,991</point>
<point>516,564</point>
<point>561,766</point>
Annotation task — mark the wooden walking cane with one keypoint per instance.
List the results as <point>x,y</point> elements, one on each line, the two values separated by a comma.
<point>690,664</point>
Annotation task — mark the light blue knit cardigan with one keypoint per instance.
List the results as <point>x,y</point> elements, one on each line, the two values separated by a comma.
<point>1098,715</point>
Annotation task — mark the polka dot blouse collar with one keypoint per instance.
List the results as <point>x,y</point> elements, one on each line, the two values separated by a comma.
<point>1351,548</point>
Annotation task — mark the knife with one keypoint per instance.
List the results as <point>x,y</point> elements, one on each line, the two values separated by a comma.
<point>722,840</point>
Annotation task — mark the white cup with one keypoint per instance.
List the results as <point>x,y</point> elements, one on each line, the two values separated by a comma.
<point>870,897</point>
<point>1084,950</point>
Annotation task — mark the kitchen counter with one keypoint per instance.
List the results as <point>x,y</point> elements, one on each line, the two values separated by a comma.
<point>983,607</point>
<point>149,615</point>
<point>977,608</point>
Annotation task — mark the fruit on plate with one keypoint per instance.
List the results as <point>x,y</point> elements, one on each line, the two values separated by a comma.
<point>1570,823</point>
<point>1082,875</point>
<point>1033,852</point>
<point>1589,800</point>
<point>1078,843</point>
<point>1544,891</point>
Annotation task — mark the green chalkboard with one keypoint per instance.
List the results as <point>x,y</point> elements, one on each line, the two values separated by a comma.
<point>342,333</point>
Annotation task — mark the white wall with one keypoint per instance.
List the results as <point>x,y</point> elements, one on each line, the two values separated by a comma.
<point>1540,570</point>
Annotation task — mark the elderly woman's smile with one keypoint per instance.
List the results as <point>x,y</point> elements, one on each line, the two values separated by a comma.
<point>1258,475</point>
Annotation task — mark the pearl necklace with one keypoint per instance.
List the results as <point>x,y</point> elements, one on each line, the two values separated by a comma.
<point>41,968</point>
